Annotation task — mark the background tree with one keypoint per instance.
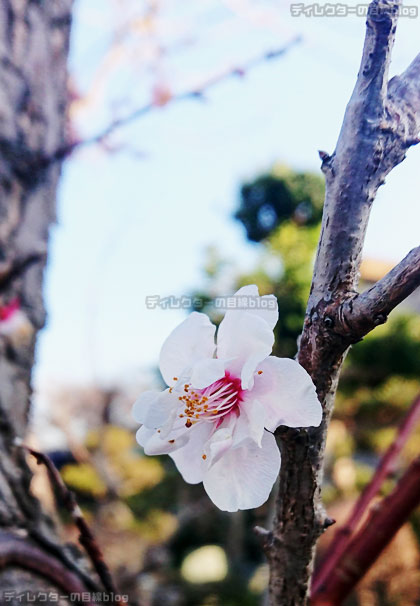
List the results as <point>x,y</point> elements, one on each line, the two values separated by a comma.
<point>34,38</point>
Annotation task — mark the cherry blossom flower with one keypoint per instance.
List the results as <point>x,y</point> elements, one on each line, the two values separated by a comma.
<point>14,324</point>
<point>217,417</point>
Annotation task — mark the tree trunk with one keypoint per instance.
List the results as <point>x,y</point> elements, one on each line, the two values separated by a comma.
<point>34,41</point>
<point>381,122</point>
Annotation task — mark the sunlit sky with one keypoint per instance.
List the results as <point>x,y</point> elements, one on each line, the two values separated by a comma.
<point>137,223</point>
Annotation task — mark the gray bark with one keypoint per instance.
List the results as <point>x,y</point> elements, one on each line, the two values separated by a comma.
<point>34,39</point>
<point>381,122</point>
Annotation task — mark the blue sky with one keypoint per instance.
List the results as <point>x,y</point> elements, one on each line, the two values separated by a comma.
<point>132,226</point>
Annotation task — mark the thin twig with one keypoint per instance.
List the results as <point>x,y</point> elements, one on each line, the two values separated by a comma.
<point>375,534</point>
<point>86,537</point>
<point>197,93</point>
<point>343,535</point>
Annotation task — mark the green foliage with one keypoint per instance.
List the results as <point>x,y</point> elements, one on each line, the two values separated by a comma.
<point>84,478</point>
<point>391,348</point>
<point>281,195</point>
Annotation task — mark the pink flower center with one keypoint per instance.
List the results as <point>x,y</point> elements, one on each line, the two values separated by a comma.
<point>7,311</point>
<point>211,403</point>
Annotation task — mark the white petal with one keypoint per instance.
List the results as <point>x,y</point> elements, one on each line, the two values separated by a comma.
<point>144,434</point>
<point>153,444</point>
<point>153,408</point>
<point>243,478</point>
<point>266,306</point>
<point>287,393</point>
<point>189,459</point>
<point>192,340</point>
<point>250,423</point>
<point>206,372</point>
<point>220,442</point>
<point>248,339</point>
<point>143,403</point>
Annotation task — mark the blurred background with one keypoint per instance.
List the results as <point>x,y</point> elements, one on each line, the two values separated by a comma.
<point>213,184</point>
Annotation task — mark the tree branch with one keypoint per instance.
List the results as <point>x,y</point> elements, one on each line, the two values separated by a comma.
<point>343,535</point>
<point>380,123</point>
<point>86,538</point>
<point>359,315</point>
<point>17,551</point>
<point>197,93</point>
<point>376,533</point>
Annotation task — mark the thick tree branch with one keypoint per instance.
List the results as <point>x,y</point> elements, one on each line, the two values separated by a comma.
<point>380,123</point>
<point>375,534</point>
<point>17,551</point>
<point>359,315</point>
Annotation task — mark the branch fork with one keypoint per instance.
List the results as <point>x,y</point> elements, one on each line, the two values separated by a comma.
<point>381,122</point>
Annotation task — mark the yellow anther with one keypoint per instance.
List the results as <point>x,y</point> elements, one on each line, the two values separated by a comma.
<point>260,372</point>
<point>204,457</point>
<point>171,441</point>
<point>175,379</point>
<point>188,423</point>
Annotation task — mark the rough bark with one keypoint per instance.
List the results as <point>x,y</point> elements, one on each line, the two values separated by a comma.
<point>381,121</point>
<point>34,38</point>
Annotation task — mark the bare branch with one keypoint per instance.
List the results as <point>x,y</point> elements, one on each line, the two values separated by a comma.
<point>404,91</point>
<point>86,538</point>
<point>360,162</point>
<point>343,535</point>
<point>19,551</point>
<point>196,94</point>
<point>376,533</point>
<point>359,315</point>
<point>380,123</point>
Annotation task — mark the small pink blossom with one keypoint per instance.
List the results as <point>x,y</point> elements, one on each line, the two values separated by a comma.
<point>217,417</point>
<point>14,324</point>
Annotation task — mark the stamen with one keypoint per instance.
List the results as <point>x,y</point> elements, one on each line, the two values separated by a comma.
<point>210,403</point>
